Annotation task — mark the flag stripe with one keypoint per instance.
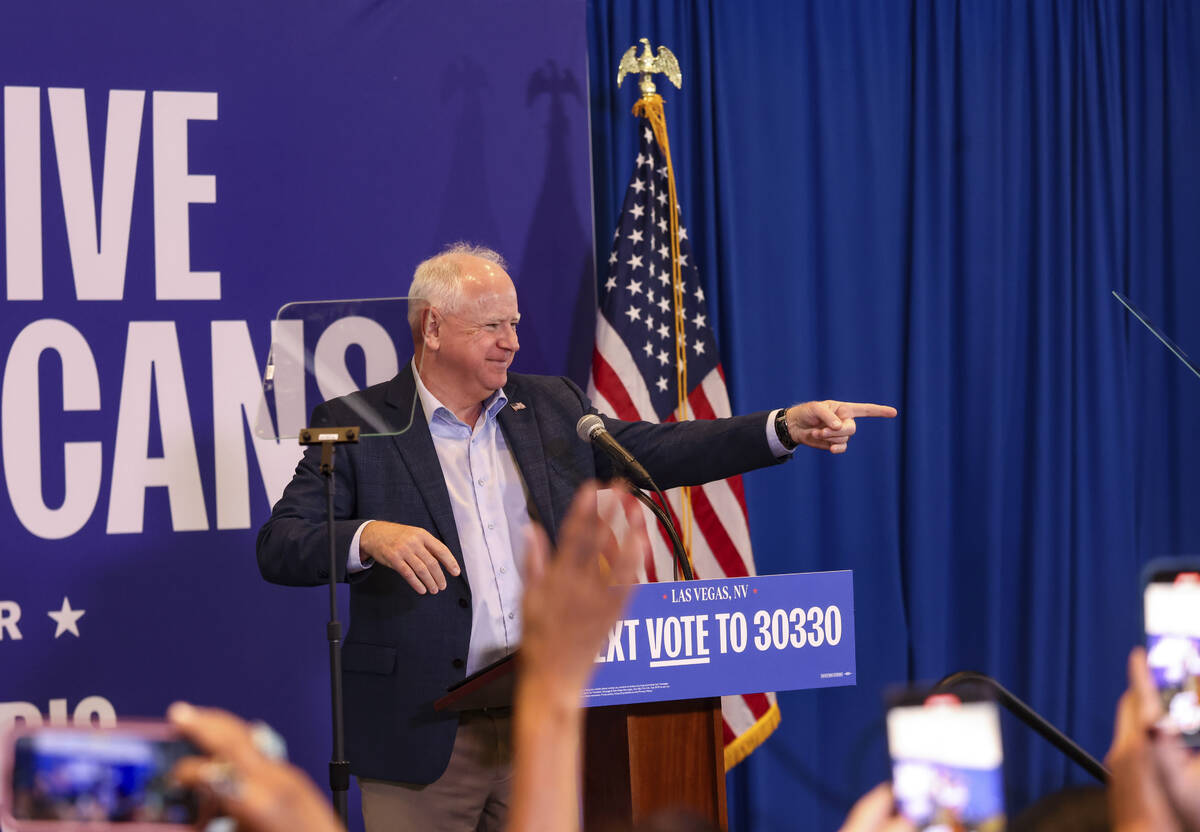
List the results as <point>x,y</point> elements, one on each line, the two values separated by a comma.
<point>726,555</point>
<point>726,730</point>
<point>731,510</point>
<point>608,381</point>
<point>759,703</point>
<point>614,352</point>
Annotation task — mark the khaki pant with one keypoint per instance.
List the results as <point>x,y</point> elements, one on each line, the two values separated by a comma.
<point>471,795</point>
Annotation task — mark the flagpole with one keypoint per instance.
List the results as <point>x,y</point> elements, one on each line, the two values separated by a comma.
<point>632,380</point>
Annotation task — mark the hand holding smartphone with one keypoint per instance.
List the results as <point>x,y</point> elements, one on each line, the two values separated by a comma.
<point>95,778</point>
<point>1171,596</point>
<point>946,760</point>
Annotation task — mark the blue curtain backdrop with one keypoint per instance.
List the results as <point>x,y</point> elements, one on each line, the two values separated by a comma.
<point>928,204</point>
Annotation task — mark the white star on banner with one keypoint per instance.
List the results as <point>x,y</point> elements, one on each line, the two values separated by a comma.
<point>66,619</point>
<point>698,320</point>
<point>661,384</point>
<point>611,283</point>
<point>612,258</point>
<point>650,296</point>
<point>638,185</point>
<point>649,323</point>
<point>698,346</point>
<point>664,305</point>
<point>662,358</point>
<point>699,294</point>
<point>635,261</point>
<point>635,236</point>
<point>663,331</point>
<point>663,171</point>
<point>662,198</point>
<point>664,277</point>
<point>664,252</point>
<point>635,286</point>
<point>637,211</point>
<point>662,225</point>
<point>649,350</point>
<point>649,135</point>
<point>682,233</point>
<point>682,259</point>
<point>634,313</point>
<point>641,160</point>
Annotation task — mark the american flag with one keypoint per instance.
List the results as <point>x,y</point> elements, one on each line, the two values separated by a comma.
<point>634,377</point>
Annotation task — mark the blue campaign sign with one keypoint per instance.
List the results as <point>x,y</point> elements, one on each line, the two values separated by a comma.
<point>689,639</point>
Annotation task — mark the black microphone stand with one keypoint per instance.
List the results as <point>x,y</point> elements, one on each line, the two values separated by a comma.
<point>339,767</point>
<point>1031,718</point>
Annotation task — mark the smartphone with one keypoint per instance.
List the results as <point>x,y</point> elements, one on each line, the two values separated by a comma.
<point>1171,599</point>
<point>947,759</point>
<point>95,778</point>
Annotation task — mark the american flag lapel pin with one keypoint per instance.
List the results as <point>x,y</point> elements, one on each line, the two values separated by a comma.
<point>518,405</point>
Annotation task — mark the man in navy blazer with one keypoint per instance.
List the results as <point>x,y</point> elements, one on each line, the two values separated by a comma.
<point>432,521</point>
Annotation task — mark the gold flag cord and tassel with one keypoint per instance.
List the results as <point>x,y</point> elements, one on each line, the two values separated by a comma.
<point>650,107</point>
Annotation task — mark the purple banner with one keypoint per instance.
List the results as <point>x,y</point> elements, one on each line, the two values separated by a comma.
<point>171,175</point>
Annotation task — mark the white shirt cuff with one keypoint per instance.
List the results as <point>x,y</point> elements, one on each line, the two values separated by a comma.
<point>354,561</point>
<point>772,440</point>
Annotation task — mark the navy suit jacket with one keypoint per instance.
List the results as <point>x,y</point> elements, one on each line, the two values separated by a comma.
<point>403,650</point>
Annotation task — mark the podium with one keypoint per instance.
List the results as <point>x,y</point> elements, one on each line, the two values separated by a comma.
<point>677,649</point>
<point>638,758</point>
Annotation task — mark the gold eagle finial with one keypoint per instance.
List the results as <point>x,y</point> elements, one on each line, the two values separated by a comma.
<point>647,65</point>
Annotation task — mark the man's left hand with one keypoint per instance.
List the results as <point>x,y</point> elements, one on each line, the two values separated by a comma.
<point>828,425</point>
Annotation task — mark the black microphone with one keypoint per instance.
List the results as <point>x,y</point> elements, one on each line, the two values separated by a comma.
<point>590,428</point>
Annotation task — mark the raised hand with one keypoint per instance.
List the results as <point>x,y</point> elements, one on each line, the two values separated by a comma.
<point>574,599</point>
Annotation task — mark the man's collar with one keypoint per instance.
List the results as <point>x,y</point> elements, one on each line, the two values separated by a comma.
<point>492,405</point>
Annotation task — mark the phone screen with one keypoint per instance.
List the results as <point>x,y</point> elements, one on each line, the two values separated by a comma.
<point>1172,613</point>
<point>104,776</point>
<point>946,762</point>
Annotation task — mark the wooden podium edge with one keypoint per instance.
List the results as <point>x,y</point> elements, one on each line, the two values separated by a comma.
<point>652,757</point>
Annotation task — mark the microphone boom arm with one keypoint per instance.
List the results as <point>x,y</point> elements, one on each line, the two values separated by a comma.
<point>1032,718</point>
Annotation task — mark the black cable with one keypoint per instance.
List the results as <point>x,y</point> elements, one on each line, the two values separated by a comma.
<point>664,519</point>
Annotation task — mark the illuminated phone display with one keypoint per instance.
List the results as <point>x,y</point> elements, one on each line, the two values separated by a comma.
<point>946,762</point>
<point>1172,612</point>
<point>97,776</point>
